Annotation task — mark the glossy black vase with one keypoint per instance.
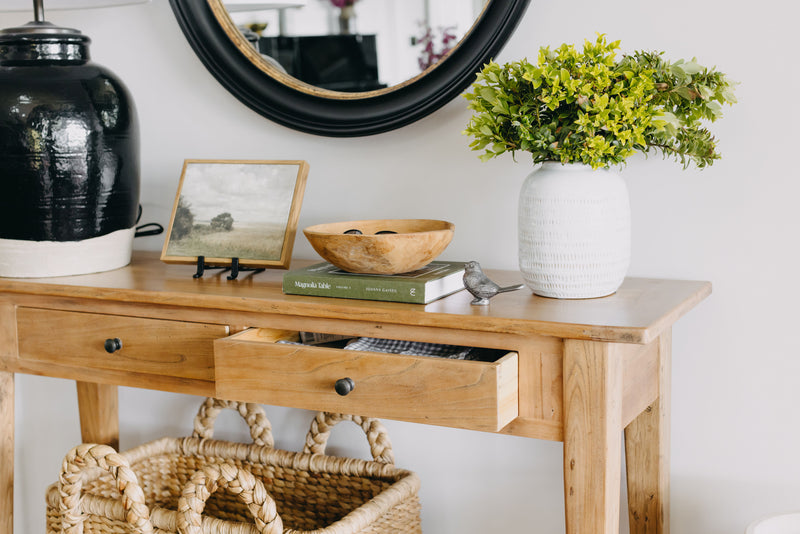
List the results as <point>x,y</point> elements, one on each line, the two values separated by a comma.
<point>69,157</point>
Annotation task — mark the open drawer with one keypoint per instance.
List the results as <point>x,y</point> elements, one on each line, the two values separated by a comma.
<point>456,393</point>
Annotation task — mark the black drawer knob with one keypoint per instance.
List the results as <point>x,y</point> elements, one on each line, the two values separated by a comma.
<point>112,345</point>
<point>344,386</point>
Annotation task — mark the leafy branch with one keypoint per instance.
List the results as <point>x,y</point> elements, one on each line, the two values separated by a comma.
<point>589,107</point>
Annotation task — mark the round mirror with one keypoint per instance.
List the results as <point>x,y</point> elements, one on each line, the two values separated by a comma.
<point>346,67</point>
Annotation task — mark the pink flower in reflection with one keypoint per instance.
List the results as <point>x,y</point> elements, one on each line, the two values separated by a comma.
<point>434,48</point>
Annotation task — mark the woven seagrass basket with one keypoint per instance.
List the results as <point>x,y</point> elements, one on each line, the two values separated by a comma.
<point>200,485</point>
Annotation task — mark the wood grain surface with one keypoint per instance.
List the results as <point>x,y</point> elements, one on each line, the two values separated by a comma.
<point>647,455</point>
<point>639,311</point>
<point>154,346</point>
<point>7,452</point>
<point>98,406</point>
<point>593,375</point>
<point>465,394</point>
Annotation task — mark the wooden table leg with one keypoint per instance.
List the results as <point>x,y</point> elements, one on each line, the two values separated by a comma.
<point>6,452</point>
<point>647,456</point>
<point>99,413</point>
<point>592,436</point>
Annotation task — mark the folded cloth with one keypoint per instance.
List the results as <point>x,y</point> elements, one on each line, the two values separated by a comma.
<point>418,348</point>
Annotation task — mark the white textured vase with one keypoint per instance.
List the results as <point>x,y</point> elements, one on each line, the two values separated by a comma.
<point>574,231</point>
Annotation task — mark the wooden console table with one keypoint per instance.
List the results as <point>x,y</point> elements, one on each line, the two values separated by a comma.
<point>575,371</point>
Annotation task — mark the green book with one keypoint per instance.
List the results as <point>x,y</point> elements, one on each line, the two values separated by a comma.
<point>434,281</point>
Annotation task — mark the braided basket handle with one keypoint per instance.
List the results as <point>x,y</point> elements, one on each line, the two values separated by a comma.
<point>379,444</point>
<point>240,482</point>
<point>253,414</point>
<point>71,485</point>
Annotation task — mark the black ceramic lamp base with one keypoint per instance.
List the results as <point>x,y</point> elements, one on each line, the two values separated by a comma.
<point>69,157</point>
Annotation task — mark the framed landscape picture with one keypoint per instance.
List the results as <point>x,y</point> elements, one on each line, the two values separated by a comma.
<point>229,209</point>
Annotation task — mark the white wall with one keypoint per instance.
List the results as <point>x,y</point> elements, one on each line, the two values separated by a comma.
<point>736,425</point>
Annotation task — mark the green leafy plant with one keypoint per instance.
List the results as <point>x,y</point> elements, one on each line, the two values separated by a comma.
<point>590,107</point>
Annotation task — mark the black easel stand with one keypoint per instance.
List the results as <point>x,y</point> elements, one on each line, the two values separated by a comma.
<point>235,268</point>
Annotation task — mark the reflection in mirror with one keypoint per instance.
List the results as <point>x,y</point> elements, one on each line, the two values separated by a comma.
<point>354,45</point>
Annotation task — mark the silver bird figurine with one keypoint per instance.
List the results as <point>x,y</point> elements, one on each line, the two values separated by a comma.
<point>481,287</point>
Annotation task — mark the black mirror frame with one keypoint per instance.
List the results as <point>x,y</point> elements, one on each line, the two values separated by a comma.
<point>347,117</point>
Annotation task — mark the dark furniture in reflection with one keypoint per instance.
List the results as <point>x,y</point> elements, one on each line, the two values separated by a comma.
<point>335,62</point>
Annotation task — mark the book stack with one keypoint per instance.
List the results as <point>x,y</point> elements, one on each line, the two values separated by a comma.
<point>434,281</point>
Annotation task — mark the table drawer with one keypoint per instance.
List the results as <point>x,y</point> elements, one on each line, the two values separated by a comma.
<point>151,346</point>
<point>464,394</point>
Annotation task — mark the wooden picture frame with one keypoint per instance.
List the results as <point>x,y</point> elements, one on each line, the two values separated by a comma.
<point>243,209</point>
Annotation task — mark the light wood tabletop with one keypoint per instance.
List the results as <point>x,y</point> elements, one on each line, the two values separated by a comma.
<point>637,313</point>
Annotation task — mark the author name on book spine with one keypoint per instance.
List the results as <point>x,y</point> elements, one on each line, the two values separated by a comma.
<point>380,289</point>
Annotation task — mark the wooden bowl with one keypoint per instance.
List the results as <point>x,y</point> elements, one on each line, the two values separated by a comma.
<point>414,244</point>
